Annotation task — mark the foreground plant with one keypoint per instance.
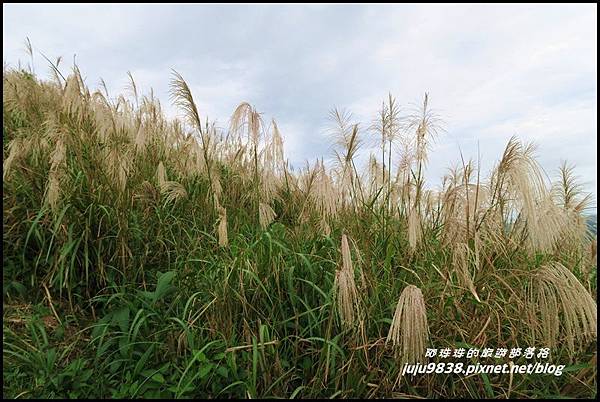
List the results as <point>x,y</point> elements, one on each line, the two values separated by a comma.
<point>409,331</point>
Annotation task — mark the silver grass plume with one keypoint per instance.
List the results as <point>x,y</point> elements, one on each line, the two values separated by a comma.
<point>409,332</point>
<point>560,308</point>
<point>348,302</point>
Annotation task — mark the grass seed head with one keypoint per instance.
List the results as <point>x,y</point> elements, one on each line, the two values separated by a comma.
<point>560,308</point>
<point>409,332</point>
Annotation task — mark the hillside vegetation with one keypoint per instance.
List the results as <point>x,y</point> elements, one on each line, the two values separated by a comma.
<point>147,257</point>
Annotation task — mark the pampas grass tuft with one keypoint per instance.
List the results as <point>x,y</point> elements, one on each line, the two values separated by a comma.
<point>560,308</point>
<point>348,304</point>
<point>409,332</point>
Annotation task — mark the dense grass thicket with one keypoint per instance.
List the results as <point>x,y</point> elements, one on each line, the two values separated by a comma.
<point>146,257</point>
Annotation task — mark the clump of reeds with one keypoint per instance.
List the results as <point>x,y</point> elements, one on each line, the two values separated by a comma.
<point>260,153</point>
<point>139,188</point>
<point>463,204</point>
<point>320,194</point>
<point>409,332</point>
<point>560,308</point>
<point>348,302</point>
<point>347,141</point>
<point>569,196</point>
<point>518,185</point>
<point>183,98</point>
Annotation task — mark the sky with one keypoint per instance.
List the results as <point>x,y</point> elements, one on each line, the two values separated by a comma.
<point>491,71</point>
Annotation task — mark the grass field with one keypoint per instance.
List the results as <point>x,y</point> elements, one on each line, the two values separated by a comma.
<point>146,257</point>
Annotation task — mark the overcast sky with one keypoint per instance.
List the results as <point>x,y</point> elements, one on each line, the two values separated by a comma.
<point>492,71</point>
